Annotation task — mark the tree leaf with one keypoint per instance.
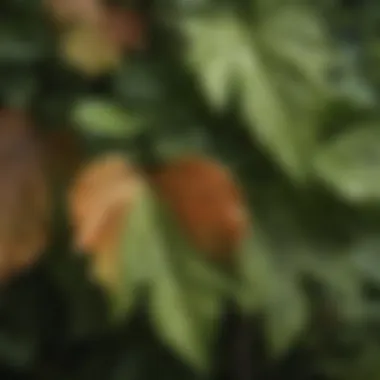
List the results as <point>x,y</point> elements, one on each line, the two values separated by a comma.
<point>22,46</point>
<point>144,262</point>
<point>365,253</point>
<point>101,117</point>
<point>274,290</point>
<point>352,85</point>
<point>104,192</point>
<point>186,293</point>
<point>341,280</point>
<point>227,54</point>
<point>140,84</point>
<point>208,204</point>
<point>183,316</point>
<point>89,50</point>
<point>351,162</point>
<point>286,324</point>
<point>136,265</point>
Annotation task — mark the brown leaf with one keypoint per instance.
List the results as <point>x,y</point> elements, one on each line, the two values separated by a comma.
<point>207,203</point>
<point>24,195</point>
<point>99,200</point>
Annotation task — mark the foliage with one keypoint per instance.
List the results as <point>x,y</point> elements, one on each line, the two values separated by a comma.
<point>277,102</point>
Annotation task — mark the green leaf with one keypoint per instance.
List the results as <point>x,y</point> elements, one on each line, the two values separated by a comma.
<point>287,315</point>
<point>19,89</point>
<point>185,311</point>
<point>139,84</point>
<point>341,280</point>
<point>17,352</point>
<point>273,288</point>
<point>186,141</point>
<point>23,41</point>
<point>366,256</point>
<point>187,294</point>
<point>350,164</point>
<point>136,266</point>
<point>279,70</point>
<point>101,117</point>
<point>352,86</point>
<point>146,263</point>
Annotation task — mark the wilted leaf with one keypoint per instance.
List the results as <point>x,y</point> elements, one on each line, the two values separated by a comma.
<point>350,163</point>
<point>227,54</point>
<point>101,117</point>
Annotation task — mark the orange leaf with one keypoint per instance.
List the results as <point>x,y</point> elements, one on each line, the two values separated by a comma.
<point>207,203</point>
<point>98,202</point>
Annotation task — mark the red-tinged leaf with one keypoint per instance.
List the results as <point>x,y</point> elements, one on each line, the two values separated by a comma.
<point>207,202</point>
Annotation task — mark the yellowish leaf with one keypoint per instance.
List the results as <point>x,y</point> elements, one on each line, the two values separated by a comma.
<point>89,50</point>
<point>99,200</point>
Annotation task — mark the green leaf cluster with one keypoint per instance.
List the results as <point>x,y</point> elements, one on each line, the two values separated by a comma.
<point>286,94</point>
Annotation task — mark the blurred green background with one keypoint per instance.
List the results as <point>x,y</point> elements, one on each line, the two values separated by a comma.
<point>285,94</point>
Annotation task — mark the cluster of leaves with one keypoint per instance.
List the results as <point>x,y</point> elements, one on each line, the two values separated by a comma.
<point>285,94</point>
